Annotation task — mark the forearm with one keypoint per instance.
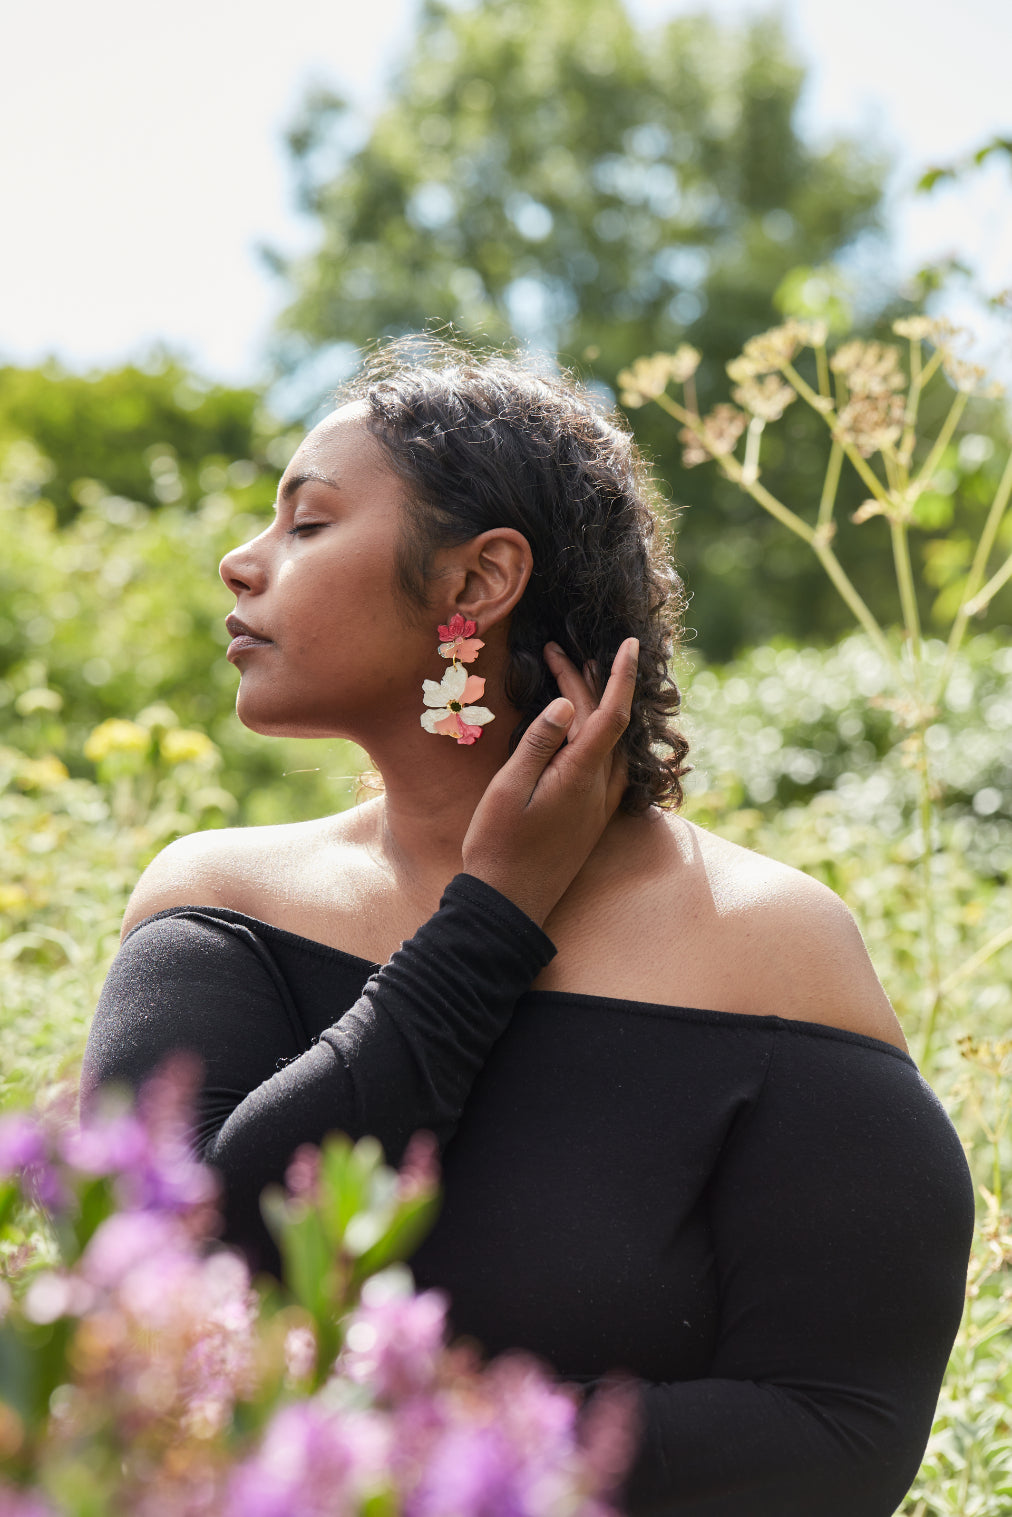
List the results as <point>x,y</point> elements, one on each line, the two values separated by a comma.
<point>725,1448</point>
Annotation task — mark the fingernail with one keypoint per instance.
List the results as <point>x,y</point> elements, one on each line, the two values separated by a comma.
<point>560,713</point>
<point>553,648</point>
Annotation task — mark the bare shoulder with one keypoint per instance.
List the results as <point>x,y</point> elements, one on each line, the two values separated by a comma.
<point>241,867</point>
<point>798,945</point>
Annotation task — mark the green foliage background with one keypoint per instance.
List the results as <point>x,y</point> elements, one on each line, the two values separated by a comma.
<point>599,189</point>
<point>552,172</point>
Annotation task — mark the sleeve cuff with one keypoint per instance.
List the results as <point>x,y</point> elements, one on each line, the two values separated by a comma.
<point>469,891</point>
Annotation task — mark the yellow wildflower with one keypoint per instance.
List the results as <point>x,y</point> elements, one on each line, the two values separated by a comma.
<point>184,745</point>
<point>115,736</point>
<point>40,698</point>
<point>12,897</point>
<point>42,773</point>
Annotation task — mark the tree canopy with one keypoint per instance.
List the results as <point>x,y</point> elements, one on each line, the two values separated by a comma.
<point>546,170</point>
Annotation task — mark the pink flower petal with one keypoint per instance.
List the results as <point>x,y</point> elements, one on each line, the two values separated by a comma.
<point>448,726</point>
<point>458,627</point>
<point>474,688</point>
<point>467,649</point>
<point>468,735</point>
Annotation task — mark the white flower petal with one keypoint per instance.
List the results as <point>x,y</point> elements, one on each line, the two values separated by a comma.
<point>433,694</point>
<point>453,682</point>
<point>477,716</point>
<point>430,718</point>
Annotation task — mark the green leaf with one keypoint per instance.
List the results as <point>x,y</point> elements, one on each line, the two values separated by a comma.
<point>401,1237</point>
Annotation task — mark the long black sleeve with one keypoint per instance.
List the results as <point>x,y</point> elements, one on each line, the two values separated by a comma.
<point>841,1217</point>
<point>402,1057</point>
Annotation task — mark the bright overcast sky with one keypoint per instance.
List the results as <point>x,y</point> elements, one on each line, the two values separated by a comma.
<point>142,164</point>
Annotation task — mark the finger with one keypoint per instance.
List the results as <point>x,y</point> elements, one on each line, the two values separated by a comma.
<point>539,744</point>
<point>572,685</point>
<point>608,723</point>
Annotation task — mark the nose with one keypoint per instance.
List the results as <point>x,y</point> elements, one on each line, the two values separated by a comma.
<point>242,569</point>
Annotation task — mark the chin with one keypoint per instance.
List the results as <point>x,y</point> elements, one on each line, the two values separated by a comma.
<point>276,720</point>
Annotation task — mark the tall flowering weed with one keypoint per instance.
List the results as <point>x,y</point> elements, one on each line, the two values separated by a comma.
<point>143,1373</point>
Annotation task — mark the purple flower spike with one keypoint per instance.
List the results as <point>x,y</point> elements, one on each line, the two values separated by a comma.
<point>127,1240</point>
<point>107,1145</point>
<point>393,1342</point>
<point>22,1142</point>
<point>472,1473</point>
<point>311,1462</point>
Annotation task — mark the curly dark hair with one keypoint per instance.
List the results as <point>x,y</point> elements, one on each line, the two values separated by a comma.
<point>485,441</point>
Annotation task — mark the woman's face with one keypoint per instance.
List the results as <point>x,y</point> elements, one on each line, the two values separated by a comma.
<point>338,652</point>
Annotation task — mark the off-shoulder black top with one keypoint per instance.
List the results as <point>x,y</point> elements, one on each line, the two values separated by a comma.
<point>765,1221</point>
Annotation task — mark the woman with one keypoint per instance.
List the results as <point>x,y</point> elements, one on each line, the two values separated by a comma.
<point>681,1133</point>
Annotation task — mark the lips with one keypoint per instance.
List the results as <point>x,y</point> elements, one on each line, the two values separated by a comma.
<point>240,629</point>
<point>243,638</point>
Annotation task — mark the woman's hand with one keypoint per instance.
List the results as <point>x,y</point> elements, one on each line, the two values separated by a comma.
<point>544,811</point>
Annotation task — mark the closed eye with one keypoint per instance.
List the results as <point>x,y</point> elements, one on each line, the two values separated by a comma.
<point>307,526</point>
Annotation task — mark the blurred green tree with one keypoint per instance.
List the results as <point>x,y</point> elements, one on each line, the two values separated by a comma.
<point>547,170</point>
<point>150,434</point>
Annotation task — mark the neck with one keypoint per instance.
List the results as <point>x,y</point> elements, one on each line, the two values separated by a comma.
<point>431,787</point>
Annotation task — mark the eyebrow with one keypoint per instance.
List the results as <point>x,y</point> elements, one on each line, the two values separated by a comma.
<point>296,482</point>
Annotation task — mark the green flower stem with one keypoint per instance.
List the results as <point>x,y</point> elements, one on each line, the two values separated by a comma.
<point>733,470</point>
<point>867,473</point>
<point>919,377</point>
<point>933,976</point>
<point>981,555</point>
<point>830,485</point>
<point>930,464</point>
<point>908,595</point>
<point>857,604</point>
<point>991,589</point>
<point>822,368</point>
<point>976,960</point>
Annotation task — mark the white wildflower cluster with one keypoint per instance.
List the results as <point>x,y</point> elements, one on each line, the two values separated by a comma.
<point>872,419</point>
<point>718,435</point>
<point>650,377</point>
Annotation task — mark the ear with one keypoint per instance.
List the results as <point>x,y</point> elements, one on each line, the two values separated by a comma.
<point>489,573</point>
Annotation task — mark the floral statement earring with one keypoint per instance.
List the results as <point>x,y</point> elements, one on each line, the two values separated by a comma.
<point>449,710</point>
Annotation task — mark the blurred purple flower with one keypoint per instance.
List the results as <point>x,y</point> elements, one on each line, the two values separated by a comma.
<point>610,1425</point>
<point>419,1171</point>
<point>22,1142</point>
<point>15,1503</point>
<point>393,1342</point>
<point>312,1461</point>
<point>302,1177</point>
<point>126,1240</point>
<point>149,1150</point>
<point>24,1153</point>
<point>106,1144</point>
<point>471,1472</point>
